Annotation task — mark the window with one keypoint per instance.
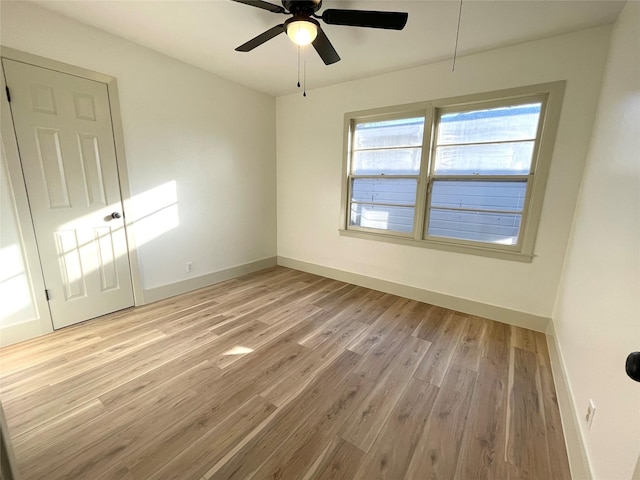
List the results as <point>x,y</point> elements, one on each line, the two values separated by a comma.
<point>463,174</point>
<point>386,157</point>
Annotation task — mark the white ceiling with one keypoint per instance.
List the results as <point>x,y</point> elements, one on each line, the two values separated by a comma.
<point>205,33</point>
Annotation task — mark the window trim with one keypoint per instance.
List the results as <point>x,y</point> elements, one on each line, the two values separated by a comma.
<point>551,94</point>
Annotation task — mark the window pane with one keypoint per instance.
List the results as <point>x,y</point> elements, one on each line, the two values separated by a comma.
<point>398,219</point>
<point>499,228</point>
<point>486,159</point>
<point>392,133</point>
<point>471,194</point>
<point>496,124</point>
<point>384,190</point>
<point>397,161</point>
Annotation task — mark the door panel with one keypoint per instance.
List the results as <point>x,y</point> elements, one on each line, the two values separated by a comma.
<point>92,169</point>
<point>65,137</point>
<point>52,167</point>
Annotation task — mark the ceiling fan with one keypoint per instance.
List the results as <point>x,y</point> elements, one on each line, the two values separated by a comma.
<point>303,28</point>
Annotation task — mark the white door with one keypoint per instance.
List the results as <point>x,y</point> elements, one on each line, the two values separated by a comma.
<point>64,133</point>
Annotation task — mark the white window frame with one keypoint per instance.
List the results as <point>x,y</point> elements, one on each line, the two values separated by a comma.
<point>549,94</point>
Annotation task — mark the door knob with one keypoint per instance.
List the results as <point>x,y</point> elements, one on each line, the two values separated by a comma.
<point>633,366</point>
<point>115,215</point>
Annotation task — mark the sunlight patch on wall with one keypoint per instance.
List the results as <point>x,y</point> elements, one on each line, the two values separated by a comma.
<point>16,305</point>
<point>156,212</point>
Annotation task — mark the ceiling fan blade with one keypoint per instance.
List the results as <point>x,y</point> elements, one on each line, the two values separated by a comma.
<point>365,18</point>
<point>260,39</point>
<point>325,49</point>
<point>264,5</point>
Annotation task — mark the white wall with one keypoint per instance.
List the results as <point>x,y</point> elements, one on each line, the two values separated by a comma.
<point>16,301</point>
<point>597,315</point>
<point>191,138</point>
<point>309,152</point>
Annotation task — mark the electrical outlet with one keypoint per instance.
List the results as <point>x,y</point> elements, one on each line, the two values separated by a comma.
<point>591,411</point>
<point>189,267</point>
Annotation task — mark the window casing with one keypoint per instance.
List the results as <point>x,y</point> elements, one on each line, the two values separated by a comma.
<point>465,174</point>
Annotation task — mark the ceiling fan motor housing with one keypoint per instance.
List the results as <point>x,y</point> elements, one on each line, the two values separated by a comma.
<point>303,8</point>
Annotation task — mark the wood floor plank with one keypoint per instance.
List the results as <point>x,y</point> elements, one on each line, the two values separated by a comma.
<point>100,354</point>
<point>436,455</point>
<point>436,363</point>
<point>311,364</point>
<point>523,338</point>
<point>117,472</point>
<point>97,446</point>
<point>351,298</point>
<point>321,290</point>
<point>35,407</point>
<point>542,349</point>
<point>368,307</point>
<point>469,348</point>
<point>497,342</point>
<point>282,374</point>
<point>128,391</point>
<point>334,296</point>
<point>326,330</point>
<point>36,353</point>
<point>341,462</point>
<point>248,460</point>
<point>243,341</point>
<point>199,449</point>
<point>401,319</point>
<point>429,329</point>
<point>269,364</point>
<point>482,453</point>
<point>558,460</point>
<point>527,447</point>
<point>364,424</point>
<point>288,305</point>
<point>391,453</point>
<point>159,400</point>
<point>31,442</point>
<point>297,453</point>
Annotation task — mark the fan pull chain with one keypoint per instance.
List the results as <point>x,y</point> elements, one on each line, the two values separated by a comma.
<point>298,66</point>
<point>455,49</point>
<point>304,78</point>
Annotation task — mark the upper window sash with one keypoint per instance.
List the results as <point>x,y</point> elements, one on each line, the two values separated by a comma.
<point>523,146</point>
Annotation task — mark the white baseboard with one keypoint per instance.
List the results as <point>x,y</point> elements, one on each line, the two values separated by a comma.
<point>472,307</point>
<point>20,332</point>
<point>173,289</point>
<point>578,458</point>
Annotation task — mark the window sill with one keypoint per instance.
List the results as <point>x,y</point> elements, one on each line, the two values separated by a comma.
<point>448,247</point>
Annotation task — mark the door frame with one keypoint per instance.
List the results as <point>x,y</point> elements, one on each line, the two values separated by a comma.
<point>16,333</point>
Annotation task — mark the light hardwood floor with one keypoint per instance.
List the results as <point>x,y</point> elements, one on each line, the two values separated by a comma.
<point>284,375</point>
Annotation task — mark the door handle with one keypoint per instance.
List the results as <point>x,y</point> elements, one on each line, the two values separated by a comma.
<point>633,366</point>
<point>115,215</point>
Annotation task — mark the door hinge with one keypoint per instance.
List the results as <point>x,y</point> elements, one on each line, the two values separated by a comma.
<point>8,94</point>
<point>47,294</point>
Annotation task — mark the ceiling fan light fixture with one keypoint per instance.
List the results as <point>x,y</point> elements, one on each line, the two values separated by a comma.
<point>302,32</point>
